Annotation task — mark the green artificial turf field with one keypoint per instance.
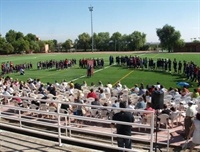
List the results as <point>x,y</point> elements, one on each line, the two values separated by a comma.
<point>112,74</point>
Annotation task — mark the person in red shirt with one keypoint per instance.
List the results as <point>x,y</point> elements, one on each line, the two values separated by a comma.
<point>148,107</point>
<point>92,94</point>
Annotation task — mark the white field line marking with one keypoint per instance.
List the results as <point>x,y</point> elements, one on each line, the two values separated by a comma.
<point>83,76</point>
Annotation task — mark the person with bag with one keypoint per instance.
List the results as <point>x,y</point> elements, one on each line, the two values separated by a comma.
<point>195,129</point>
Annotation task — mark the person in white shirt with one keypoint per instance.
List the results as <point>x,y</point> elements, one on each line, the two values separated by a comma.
<point>84,84</point>
<point>100,84</point>
<point>119,84</point>
<point>102,94</point>
<point>32,86</point>
<point>10,89</point>
<point>6,93</point>
<point>135,89</point>
<point>109,85</point>
<point>157,85</point>
<point>130,105</point>
<point>190,113</point>
<point>107,89</point>
<point>57,84</point>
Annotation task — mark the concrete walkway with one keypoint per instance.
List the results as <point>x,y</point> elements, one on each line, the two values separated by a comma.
<point>13,142</point>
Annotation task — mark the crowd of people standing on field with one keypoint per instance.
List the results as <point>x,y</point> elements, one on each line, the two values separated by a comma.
<point>189,69</point>
<point>97,63</point>
<point>10,67</point>
<point>61,64</point>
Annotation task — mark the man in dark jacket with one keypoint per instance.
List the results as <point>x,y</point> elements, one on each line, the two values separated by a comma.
<point>123,129</point>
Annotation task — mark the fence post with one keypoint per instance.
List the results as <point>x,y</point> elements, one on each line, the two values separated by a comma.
<point>20,116</point>
<point>168,140</point>
<point>152,132</point>
<point>59,129</point>
<point>1,104</point>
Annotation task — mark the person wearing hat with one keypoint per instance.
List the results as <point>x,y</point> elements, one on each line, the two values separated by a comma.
<point>190,113</point>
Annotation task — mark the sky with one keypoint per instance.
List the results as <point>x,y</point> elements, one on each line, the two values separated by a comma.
<point>66,19</point>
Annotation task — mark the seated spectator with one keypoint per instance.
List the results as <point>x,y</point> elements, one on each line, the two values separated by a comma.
<point>149,107</point>
<point>109,85</point>
<point>195,93</point>
<point>142,90</point>
<point>166,110</point>
<point>92,94</point>
<point>102,94</point>
<point>21,71</point>
<point>16,98</point>
<point>171,91</point>
<point>163,89</point>
<point>65,106</point>
<point>181,107</point>
<point>6,92</point>
<point>84,84</point>
<point>10,89</point>
<point>135,89</point>
<point>173,112</point>
<point>176,92</point>
<point>146,115</point>
<point>116,104</point>
<point>119,84</point>
<point>157,85</point>
<point>130,105</point>
<point>96,103</point>
<point>92,85</point>
<point>141,103</point>
<point>147,96</point>
<point>31,85</point>
<point>100,84</point>
<point>71,88</point>
<point>107,89</point>
<point>184,91</point>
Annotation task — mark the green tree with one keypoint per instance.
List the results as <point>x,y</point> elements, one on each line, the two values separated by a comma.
<point>21,46</point>
<point>115,41</point>
<point>11,36</point>
<point>30,37</point>
<point>137,40</point>
<point>169,37</point>
<point>34,46</point>
<point>41,46</point>
<point>102,41</point>
<point>68,44</point>
<point>5,47</point>
<point>84,41</point>
<point>195,41</point>
<point>124,42</point>
<point>55,42</point>
<point>19,35</point>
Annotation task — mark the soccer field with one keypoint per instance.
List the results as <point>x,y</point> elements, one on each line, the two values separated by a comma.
<point>112,74</point>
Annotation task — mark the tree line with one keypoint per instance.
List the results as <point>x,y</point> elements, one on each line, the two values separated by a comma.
<point>17,43</point>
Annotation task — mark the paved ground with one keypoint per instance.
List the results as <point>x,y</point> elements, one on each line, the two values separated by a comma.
<point>13,142</point>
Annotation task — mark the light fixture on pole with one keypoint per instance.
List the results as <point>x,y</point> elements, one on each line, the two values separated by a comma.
<point>91,9</point>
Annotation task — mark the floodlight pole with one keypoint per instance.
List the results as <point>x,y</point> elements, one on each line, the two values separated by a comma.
<point>91,9</point>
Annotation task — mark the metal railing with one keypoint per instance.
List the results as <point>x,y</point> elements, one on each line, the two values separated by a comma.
<point>68,129</point>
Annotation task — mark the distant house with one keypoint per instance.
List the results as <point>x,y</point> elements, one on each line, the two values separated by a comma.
<point>189,47</point>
